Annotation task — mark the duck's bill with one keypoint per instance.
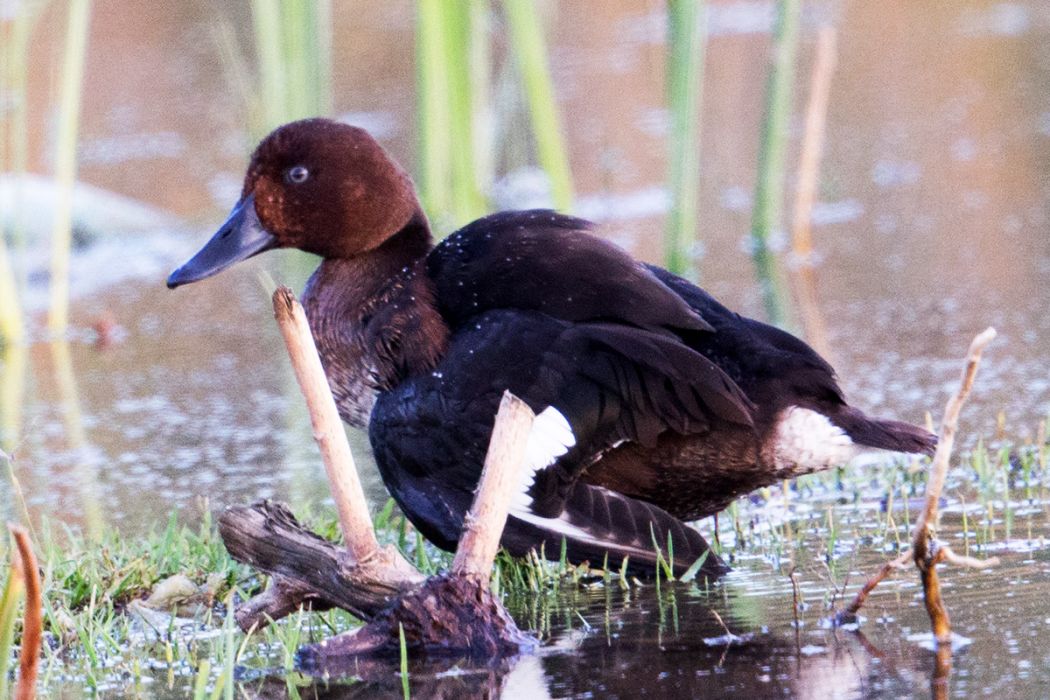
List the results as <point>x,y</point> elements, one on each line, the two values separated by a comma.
<point>241,237</point>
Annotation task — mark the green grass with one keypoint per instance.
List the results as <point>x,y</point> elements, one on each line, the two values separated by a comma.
<point>10,595</point>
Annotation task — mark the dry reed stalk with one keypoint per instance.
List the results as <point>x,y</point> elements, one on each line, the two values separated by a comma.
<point>809,168</point>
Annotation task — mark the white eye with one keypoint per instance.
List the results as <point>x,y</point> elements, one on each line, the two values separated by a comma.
<point>297,175</point>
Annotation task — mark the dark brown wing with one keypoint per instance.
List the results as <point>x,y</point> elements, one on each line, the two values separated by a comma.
<point>543,261</point>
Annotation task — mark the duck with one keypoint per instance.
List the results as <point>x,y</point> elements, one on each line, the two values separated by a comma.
<point>655,405</point>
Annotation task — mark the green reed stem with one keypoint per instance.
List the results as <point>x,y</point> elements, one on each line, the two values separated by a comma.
<point>66,160</point>
<point>434,107</point>
<point>685,78</point>
<point>14,140</point>
<point>461,35</point>
<point>273,85</point>
<point>530,51</point>
<point>13,362</point>
<point>769,186</point>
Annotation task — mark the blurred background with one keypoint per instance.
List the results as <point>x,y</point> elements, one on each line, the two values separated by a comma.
<point>687,132</point>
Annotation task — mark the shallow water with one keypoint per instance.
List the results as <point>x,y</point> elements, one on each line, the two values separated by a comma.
<point>931,225</point>
<point>741,636</point>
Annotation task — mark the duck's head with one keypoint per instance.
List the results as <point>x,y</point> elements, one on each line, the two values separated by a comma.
<point>317,185</point>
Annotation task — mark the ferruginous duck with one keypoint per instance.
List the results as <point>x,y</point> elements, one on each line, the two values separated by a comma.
<point>655,404</point>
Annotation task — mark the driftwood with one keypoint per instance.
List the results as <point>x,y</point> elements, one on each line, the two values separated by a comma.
<point>453,614</point>
<point>926,551</point>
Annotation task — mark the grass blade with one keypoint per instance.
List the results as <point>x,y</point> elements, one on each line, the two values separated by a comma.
<point>405,690</point>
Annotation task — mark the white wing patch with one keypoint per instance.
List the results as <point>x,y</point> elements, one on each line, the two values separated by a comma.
<point>550,438</point>
<point>806,441</point>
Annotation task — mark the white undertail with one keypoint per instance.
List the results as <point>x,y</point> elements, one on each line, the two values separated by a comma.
<point>806,441</point>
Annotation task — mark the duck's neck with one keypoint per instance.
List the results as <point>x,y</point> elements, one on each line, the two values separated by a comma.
<point>374,318</point>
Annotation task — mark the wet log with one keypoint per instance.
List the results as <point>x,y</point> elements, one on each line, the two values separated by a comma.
<point>307,569</point>
<point>453,614</point>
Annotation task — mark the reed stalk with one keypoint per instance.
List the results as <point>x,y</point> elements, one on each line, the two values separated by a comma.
<point>13,361</point>
<point>769,185</point>
<point>293,41</point>
<point>434,110</point>
<point>13,155</point>
<point>804,273</point>
<point>84,473</point>
<point>452,57</point>
<point>466,31</point>
<point>273,86</point>
<point>530,52</point>
<point>66,160</point>
<point>687,21</point>
<point>293,48</point>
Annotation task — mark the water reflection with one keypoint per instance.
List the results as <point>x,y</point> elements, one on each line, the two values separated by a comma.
<point>624,645</point>
<point>79,466</point>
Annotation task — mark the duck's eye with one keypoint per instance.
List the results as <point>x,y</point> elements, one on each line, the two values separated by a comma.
<point>297,175</point>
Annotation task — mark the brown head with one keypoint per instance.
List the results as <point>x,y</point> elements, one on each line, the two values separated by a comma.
<point>317,185</point>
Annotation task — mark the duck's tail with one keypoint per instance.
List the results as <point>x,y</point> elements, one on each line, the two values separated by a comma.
<point>605,528</point>
<point>884,434</point>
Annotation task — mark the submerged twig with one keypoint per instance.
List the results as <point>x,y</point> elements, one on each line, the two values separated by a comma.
<point>862,595</point>
<point>926,551</point>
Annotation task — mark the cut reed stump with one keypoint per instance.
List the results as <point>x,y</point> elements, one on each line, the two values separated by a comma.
<point>451,614</point>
